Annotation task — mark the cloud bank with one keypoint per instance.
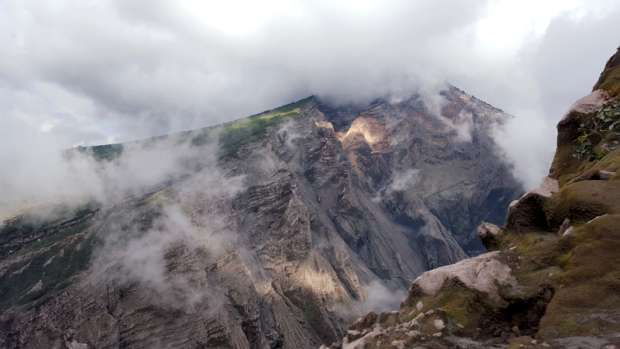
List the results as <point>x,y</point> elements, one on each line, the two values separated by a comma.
<point>36,173</point>
<point>109,71</point>
<point>134,252</point>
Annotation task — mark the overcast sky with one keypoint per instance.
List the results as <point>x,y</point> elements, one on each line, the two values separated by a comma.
<point>99,71</point>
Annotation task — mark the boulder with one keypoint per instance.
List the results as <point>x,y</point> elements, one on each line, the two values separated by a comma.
<point>365,322</point>
<point>594,175</point>
<point>489,234</point>
<point>547,187</point>
<point>482,273</point>
<point>585,105</point>
<point>527,214</point>
<point>565,225</point>
<point>389,318</point>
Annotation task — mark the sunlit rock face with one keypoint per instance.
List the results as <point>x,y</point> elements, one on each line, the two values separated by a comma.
<point>449,163</point>
<point>272,247</point>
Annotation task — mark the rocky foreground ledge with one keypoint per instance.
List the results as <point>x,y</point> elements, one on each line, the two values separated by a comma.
<point>552,276</point>
<point>540,289</point>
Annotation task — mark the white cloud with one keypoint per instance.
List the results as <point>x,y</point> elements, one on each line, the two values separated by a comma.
<point>107,70</point>
<point>240,16</point>
<point>527,143</point>
<point>509,25</point>
<point>403,180</point>
<point>130,255</point>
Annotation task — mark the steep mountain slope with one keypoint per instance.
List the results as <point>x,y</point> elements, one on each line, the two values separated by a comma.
<point>399,146</point>
<point>268,244</point>
<point>552,279</point>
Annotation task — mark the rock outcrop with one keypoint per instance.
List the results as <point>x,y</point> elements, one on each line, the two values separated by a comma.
<point>489,235</point>
<point>272,246</point>
<point>399,145</point>
<point>554,278</point>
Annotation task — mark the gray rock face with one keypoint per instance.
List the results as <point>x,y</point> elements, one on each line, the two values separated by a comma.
<point>449,162</point>
<point>326,204</point>
<point>489,235</point>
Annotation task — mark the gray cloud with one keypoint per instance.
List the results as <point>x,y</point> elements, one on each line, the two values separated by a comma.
<point>37,173</point>
<point>157,68</point>
<point>379,298</point>
<point>111,71</point>
<point>563,65</point>
<point>129,255</point>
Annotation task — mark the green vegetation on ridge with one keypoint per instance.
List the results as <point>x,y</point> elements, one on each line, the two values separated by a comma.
<point>610,77</point>
<point>48,270</point>
<point>43,268</point>
<point>107,151</point>
<point>38,222</point>
<point>233,135</point>
<point>238,133</point>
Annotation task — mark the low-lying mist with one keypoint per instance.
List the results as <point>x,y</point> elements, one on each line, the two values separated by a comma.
<point>190,213</point>
<point>379,298</point>
<point>39,172</point>
<point>187,220</point>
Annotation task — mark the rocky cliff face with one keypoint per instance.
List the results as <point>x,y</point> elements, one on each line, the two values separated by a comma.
<point>553,276</point>
<point>456,174</point>
<point>272,245</point>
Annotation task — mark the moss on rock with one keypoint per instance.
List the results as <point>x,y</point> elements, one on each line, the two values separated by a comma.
<point>458,301</point>
<point>610,77</point>
<point>585,200</point>
<point>587,280</point>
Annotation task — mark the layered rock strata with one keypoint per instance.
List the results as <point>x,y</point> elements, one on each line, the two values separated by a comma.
<point>271,247</point>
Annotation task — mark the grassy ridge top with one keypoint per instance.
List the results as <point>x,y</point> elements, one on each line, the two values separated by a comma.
<point>233,135</point>
<point>285,108</point>
<point>610,77</point>
<point>240,132</point>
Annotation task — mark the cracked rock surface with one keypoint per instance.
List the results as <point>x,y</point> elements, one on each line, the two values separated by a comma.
<point>326,204</point>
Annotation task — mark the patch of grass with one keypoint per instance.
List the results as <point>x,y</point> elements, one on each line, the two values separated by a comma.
<point>568,167</point>
<point>538,250</point>
<point>541,254</point>
<point>103,152</point>
<point>311,313</point>
<point>51,269</point>
<point>107,151</point>
<point>589,284</point>
<point>233,134</point>
<point>565,163</point>
<point>610,162</point>
<point>457,300</point>
<point>286,108</point>
<point>609,79</point>
<point>160,198</point>
<point>564,260</point>
<point>564,326</point>
<point>238,133</point>
<point>52,239</point>
<point>41,220</point>
<point>582,201</point>
<point>533,279</point>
